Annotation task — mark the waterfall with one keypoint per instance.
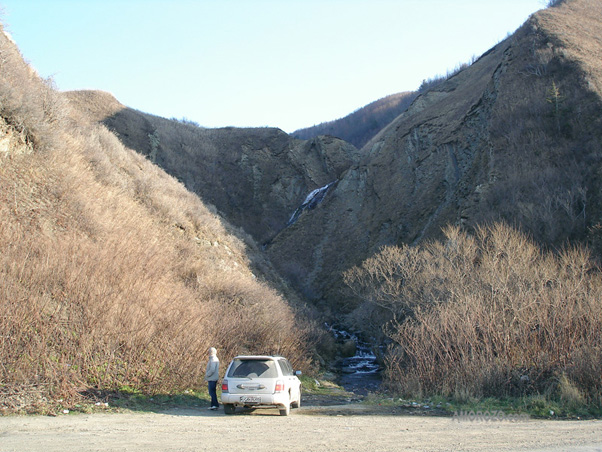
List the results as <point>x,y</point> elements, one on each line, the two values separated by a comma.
<point>311,201</point>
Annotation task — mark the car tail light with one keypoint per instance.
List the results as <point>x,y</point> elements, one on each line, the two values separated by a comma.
<point>279,386</point>
<point>225,386</point>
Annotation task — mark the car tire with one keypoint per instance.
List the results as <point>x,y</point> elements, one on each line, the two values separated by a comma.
<point>297,404</point>
<point>286,410</point>
<point>229,408</point>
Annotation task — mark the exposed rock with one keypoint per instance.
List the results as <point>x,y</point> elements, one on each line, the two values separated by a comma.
<point>256,178</point>
<point>486,145</point>
<point>515,137</point>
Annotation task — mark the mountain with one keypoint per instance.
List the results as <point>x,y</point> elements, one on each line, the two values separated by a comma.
<point>130,243</point>
<point>360,126</point>
<point>256,178</point>
<point>514,137</point>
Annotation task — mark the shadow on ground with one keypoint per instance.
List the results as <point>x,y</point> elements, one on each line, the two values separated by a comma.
<point>335,403</point>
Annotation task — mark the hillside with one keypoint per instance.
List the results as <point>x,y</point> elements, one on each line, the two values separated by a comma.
<point>360,126</point>
<point>514,137</point>
<point>124,236</point>
<point>256,178</point>
<point>114,276</point>
<point>507,302</point>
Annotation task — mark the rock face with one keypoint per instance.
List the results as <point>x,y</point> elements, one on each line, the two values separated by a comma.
<point>515,137</point>
<point>256,178</point>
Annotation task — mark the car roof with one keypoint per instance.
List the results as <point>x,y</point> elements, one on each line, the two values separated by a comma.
<point>259,357</point>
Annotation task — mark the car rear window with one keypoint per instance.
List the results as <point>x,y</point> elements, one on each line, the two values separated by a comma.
<point>253,368</point>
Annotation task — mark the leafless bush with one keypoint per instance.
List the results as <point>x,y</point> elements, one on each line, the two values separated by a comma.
<point>27,103</point>
<point>437,80</point>
<point>489,314</point>
<point>112,274</point>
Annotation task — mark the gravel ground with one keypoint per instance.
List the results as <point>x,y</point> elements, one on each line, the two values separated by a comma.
<point>314,427</point>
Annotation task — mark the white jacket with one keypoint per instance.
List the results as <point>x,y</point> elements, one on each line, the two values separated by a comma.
<point>212,372</point>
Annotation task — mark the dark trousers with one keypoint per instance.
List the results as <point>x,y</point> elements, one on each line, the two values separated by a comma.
<point>213,392</point>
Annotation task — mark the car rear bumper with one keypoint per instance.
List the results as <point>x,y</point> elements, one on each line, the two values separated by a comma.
<point>280,399</point>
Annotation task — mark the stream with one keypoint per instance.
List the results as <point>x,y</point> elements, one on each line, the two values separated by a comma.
<point>360,373</point>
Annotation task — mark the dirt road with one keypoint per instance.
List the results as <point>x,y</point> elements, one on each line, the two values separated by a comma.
<point>318,428</point>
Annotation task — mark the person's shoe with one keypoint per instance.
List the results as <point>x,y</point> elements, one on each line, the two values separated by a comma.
<point>213,408</point>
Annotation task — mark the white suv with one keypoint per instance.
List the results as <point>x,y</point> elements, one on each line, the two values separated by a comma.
<point>253,381</point>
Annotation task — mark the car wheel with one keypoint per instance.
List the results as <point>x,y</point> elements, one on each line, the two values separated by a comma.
<point>229,408</point>
<point>286,410</point>
<point>297,404</point>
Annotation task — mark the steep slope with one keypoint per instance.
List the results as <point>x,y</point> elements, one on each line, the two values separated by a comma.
<point>256,178</point>
<point>112,274</point>
<point>360,126</point>
<point>516,137</point>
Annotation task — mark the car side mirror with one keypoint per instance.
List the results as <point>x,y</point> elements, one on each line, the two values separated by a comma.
<point>298,373</point>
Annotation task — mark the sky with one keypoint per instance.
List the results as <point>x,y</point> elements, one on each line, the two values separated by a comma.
<point>253,63</point>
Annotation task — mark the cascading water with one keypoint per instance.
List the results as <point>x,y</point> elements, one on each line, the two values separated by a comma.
<point>311,201</point>
<point>360,373</point>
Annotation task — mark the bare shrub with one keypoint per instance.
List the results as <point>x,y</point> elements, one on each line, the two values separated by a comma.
<point>28,103</point>
<point>488,315</point>
<point>112,274</point>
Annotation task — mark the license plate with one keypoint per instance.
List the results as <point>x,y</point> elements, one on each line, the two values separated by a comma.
<point>250,399</point>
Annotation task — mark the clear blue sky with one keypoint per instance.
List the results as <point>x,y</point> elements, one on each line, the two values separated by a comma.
<point>281,63</point>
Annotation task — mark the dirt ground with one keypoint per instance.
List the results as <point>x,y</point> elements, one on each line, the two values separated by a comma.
<point>313,427</point>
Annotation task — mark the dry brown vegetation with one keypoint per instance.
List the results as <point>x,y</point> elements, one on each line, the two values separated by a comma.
<point>488,314</point>
<point>545,127</point>
<point>112,274</point>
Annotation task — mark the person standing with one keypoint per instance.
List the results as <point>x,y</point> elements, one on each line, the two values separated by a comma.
<point>211,377</point>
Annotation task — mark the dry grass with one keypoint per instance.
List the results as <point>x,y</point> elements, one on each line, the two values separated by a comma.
<point>489,315</point>
<point>113,274</point>
<point>545,127</point>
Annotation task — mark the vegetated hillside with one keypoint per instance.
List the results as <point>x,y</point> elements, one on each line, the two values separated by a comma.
<point>256,178</point>
<point>515,137</point>
<point>360,126</point>
<point>112,274</point>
